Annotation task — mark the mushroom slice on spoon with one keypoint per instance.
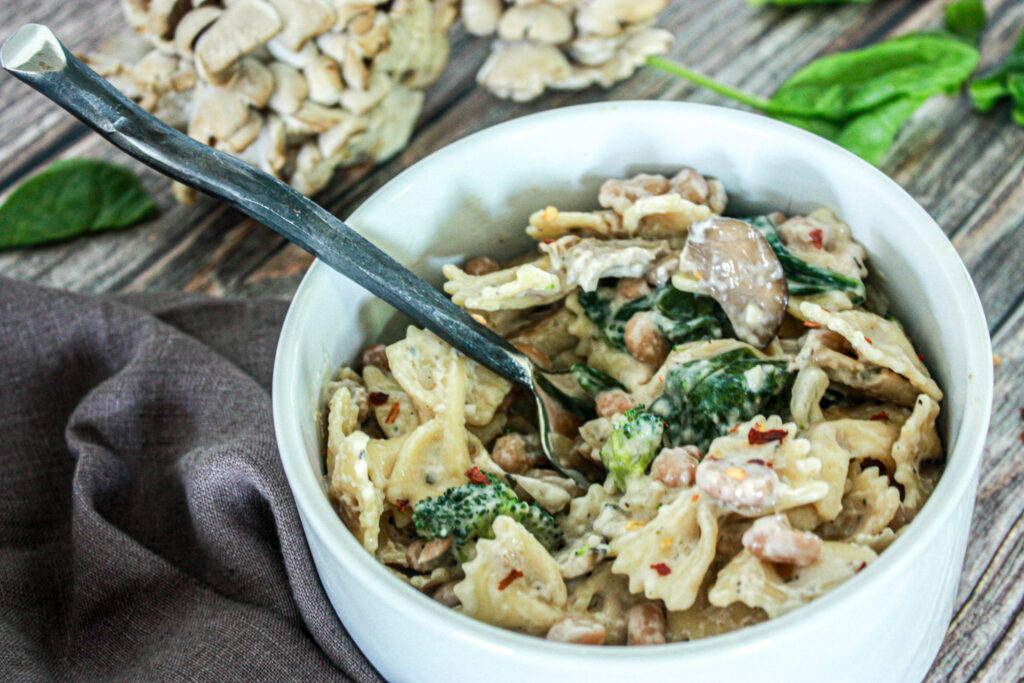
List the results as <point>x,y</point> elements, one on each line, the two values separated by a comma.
<point>728,260</point>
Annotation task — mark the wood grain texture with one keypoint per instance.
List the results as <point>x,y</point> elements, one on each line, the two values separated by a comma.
<point>966,169</point>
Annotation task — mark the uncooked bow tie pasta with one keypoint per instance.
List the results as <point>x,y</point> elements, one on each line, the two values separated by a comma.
<point>765,426</point>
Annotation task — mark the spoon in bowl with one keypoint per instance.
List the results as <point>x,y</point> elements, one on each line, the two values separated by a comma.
<point>34,55</point>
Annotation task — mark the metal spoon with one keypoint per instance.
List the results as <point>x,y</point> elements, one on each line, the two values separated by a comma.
<point>34,55</point>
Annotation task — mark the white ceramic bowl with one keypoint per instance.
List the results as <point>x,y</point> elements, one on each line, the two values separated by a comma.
<point>473,197</point>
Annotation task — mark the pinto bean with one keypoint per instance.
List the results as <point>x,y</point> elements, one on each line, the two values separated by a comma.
<point>645,625</point>
<point>375,355</point>
<point>773,539</point>
<point>577,630</point>
<point>630,288</point>
<point>644,340</point>
<point>613,402</point>
<point>676,467</point>
<point>511,454</point>
<point>481,265</point>
<point>747,485</point>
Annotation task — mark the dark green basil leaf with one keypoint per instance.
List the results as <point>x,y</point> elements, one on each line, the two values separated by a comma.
<point>841,86</point>
<point>966,18</point>
<point>1005,80</point>
<point>593,381</point>
<point>803,278</point>
<point>71,198</point>
<point>681,316</point>
<point>703,399</point>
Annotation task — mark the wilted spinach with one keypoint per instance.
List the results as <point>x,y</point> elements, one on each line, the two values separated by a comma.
<point>703,399</point>
<point>70,198</point>
<point>966,18</point>
<point>681,316</point>
<point>859,99</point>
<point>802,277</point>
<point>593,381</point>
<point>1006,80</point>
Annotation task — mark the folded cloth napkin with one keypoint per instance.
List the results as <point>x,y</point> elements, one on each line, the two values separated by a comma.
<point>146,528</point>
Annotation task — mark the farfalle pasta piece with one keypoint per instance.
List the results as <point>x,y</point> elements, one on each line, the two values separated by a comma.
<point>585,261</point>
<point>808,389</point>
<point>664,215</point>
<point>867,509</point>
<point>550,224</point>
<point>422,358</point>
<point>513,581</point>
<point>836,443</point>
<point>821,239</point>
<point>525,286</point>
<point>605,598</point>
<point>878,341</point>
<point>668,557</point>
<point>703,619</point>
<point>362,503</point>
<point>758,584</point>
<point>767,455</point>
<point>918,442</point>
<point>386,394</point>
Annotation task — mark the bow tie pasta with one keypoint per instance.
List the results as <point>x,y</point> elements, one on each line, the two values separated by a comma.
<point>761,427</point>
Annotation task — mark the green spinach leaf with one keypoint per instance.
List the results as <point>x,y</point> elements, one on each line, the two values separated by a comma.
<point>1005,80</point>
<point>681,316</point>
<point>703,399</point>
<point>966,18</point>
<point>858,99</point>
<point>71,198</point>
<point>593,381</point>
<point>802,277</point>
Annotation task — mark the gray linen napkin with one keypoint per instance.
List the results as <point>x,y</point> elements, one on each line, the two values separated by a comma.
<point>146,528</point>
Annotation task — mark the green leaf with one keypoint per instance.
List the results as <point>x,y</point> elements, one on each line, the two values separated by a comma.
<point>704,398</point>
<point>71,198</point>
<point>681,316</point>
<point>966,18</point>
<point>803,278</point>
<point>1005,80</point>
<point>593,381</point>
<point>842,86</point>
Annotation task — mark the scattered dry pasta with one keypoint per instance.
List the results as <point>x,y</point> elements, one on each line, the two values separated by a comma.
<point>747,473</point>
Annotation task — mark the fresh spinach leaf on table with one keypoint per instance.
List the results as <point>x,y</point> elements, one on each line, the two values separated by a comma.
<point>70,198</point>
<point>681,316</point>
<point>1005,80</point>
<point>803,278</point>
<point>966,18</point>
<point>704,398</point>
<point>858,99</point>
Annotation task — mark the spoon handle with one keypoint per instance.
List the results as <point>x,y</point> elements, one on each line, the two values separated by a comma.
<point>35,56</point>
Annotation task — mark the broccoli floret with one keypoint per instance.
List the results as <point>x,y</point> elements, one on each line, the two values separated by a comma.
<point>466,512</point>
<point>634,442</point>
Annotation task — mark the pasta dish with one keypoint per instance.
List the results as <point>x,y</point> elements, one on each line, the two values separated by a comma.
<point>759,422</point>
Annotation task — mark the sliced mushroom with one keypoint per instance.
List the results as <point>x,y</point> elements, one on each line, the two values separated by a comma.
<point>217,114</point>
<point>608,17</point>
<point>324,78</point>
<point>480,17</point>
<point>290,89</point>
<point>538,23</point>
<point>244,26</point>
<point>253,81</point>
<point>730,261</point>
<point>303,19</point>
<point>188,30</point>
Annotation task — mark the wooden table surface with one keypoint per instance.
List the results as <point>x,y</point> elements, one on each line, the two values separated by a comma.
<point>966,169</point>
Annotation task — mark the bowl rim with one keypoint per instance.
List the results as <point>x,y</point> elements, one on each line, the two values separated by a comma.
<point>959,476</point>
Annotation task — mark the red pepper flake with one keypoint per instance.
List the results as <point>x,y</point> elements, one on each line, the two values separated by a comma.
<point>393,415</point>
<point>811,324</point>
<point>861,567</point>
<point>756,437</point>
<point>476,476</point>
<point>920,357</point>
<point>868,340</point>
<point>378,398</point>
<point>402,504</point>
<point>512,576</point>
<point>880,416</point>
<point>662,569</point>
<point>757,461</point>
<point>1022,436</point>
<point>695,498</point>
<point>817,238</point>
